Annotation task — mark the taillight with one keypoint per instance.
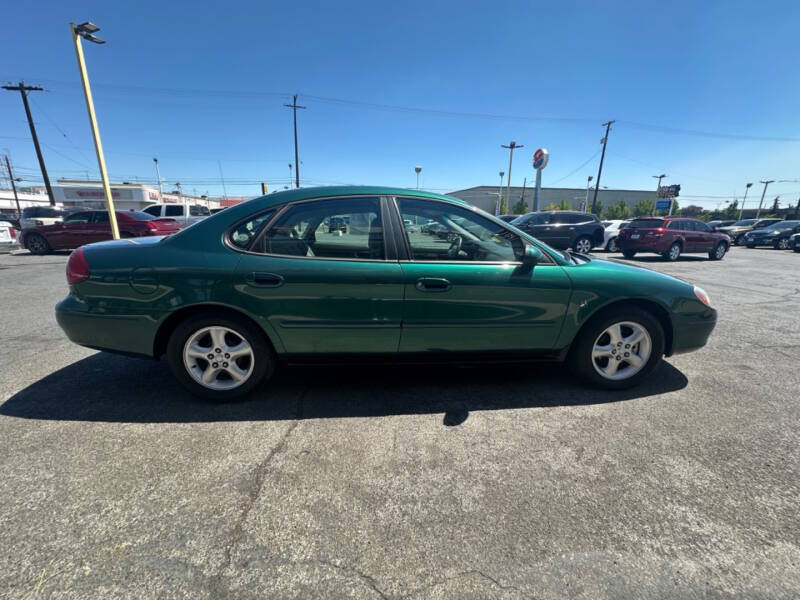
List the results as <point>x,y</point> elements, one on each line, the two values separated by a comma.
<point>656,232</point>
<point>38,223</point>
<point>77,267</point>
<point>151,226</point>
<point>13,233</point>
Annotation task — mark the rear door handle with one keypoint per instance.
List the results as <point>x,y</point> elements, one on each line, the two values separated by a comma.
<point>433,284</point>
<point>264,280</point>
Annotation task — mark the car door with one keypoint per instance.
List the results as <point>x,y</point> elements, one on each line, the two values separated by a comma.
<point>100,227</point>
<point>703,236</point>
<point>70,233</point>
<point>543,228</point>
<point>325,291</point>
<point>469,292</point>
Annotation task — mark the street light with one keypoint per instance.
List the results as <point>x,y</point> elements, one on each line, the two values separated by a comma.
<point>417,170</point>
<point>511,145</point>
<point>586,202</point>
<point>499,195</point>
<point>86,31</point>
<point>160,188</point>
<point>764,193</point>
<point>746,189</point>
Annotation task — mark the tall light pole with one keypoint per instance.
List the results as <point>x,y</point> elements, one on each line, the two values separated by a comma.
<point>511,145</point>
<point>659,177</point>
<point>294,106</point>
<point>586,202</point>
<point>764,193</point>
<point>290,174</point>
<point>417,170</point>
<point>160,187</point>
<point>13,186</point>
<point>499,195</point>
<point>746,189</point>
<point>87,31</point>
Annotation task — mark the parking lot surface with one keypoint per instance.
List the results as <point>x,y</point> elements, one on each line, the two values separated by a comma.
<point>504,481</point>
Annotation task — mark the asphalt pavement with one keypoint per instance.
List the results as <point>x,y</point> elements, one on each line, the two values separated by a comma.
<point>446,482</point>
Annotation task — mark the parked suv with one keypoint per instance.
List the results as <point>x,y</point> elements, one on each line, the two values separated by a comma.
<point>563,229</point>
<point>184,214</point>
<point>90,226</point>
<point>776,235</point>
<point>36,216</point>
<point>670,237</point>
<point>738,229</point>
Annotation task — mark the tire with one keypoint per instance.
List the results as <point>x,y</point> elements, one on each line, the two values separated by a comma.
<point>583,244</point>
<point>751,246</point>
<point>718,252</point>
<point>737,241</point>
<point>124,235</point>
<point>629,253</point>
<point>37,244</point>
<point>611,246</point>
<point>259,364</point>
<point>585,365</point>
<point>673,253</point>
<point>782,244</point>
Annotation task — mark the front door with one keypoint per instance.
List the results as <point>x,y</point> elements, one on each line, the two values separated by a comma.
<point>71,232</point>
<point>469,293</point>
<point>321,278</point>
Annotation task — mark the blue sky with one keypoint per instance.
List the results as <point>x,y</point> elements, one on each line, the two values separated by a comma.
<point>195,83</point>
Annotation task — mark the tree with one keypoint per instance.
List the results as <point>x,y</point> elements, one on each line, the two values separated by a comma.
<point>775,206</point>
<point>692,210</point>
<point>520,207</point>
<point>644,208</point>
<point>503,206</point>
<point>619,211</point>
<point>562,205</point>
<point>732,210</point>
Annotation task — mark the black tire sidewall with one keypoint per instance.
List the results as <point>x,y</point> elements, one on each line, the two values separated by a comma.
<point>580,354</point>
<point>45,245</point>
<point>668,253</point>
<point>628,253</point>
<point>713,254</point>
<point>263,355</point>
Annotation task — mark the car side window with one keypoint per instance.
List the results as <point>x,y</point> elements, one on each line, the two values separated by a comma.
<point>174,210</point>
<point>463,235</point>
<point>77,218</point>
<point>244,233</point>
<point>100,217</point>
<point>676,225</point>
<point>344,228</point>
<point>153,210</point>
<point>700,226</point>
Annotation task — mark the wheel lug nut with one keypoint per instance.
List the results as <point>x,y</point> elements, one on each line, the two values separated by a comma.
<point>627,354</point>
<point>619,357</point>
<point>217,350</point>
<point>227,355</point>
<point>215,365</point>
<point>627,345</point>
<point>210,356</point>
<point>225,365</point>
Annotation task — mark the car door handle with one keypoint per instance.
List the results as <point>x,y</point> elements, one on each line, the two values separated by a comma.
<point>433,284</point>
<point>264,280</point>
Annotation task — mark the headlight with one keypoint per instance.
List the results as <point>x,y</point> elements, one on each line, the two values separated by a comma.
<point>702,295</point>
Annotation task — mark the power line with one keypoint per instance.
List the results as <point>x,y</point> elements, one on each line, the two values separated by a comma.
<point>571,173</point>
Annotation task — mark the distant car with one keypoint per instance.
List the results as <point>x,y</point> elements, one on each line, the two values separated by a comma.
<point>91,226</point>
<point>508,218</point>
<point>670,237</point>
<point>563,229</point>
<point>37,216</point>
<point>715,224</point>
<point>794,242</point>
<point>8,237</point>
<point>184,214</point>
<point>337,224</point>
<point>737,230</point>
<point>214,211</point>
<point>611,232</point>
<point>776,235</point>
<point>9,218</point>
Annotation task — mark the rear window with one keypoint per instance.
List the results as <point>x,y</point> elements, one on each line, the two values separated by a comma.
<point>42,212</point>
<point>139,215</point>
<point>173,211</point>
<point>195,210</point>
<point>647,223</point>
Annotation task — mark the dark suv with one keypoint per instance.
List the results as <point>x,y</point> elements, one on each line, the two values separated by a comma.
<point>563,229</point>
<point>670,237</point>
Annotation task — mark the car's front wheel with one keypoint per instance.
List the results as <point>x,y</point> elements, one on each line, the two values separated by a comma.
<point>629,253</point>
<point>718,252</point>
<point>782,244</point>
<point>618,348</point>
<point>583,245</point>
<point>612,245</point>
<point>673,253</point>
<point>219,357</point>
<point>37,244</point>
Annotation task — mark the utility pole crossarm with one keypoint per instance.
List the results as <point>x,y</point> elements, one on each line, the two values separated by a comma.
<point>607,125</point>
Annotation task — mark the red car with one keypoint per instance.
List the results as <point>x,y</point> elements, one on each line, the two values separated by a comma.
<point>93,226</point>
<point>670,237</point>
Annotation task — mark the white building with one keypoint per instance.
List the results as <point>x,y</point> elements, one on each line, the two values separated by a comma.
<point>127,196</point>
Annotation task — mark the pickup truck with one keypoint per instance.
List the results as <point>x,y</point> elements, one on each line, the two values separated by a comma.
<point>184,214</point>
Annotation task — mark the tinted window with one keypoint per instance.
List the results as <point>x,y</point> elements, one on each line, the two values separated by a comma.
<point>100,217</point>
<point>173,210</point>
<point>463,235</point>
<point>783,225</point>
<point>344,228</point>
<point>244,233</point>
<point>138,215</point>
<point>196,210</point>
<point>153,210</point>
<point>81,217</point>
<point>744,223</point>
<point>529,219</point>
<point>42,212</point>
<point>700,226</point>
<point>647,223</point>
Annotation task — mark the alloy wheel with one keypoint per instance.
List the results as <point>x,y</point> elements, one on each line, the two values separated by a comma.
<point>783,243</point>
<point>621,350</point>
<point>612,245</point>
<point>218,358</point>
<point>674,252</point>
<point>720,252</point>
<point>583,246</point>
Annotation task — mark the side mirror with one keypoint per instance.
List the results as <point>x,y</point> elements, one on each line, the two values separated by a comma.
<point>531,255</point>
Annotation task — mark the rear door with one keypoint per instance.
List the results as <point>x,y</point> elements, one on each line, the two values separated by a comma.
<point>100,226</point>
<point>703,236</point>
<point>468,292</point>
<point>325,291</point>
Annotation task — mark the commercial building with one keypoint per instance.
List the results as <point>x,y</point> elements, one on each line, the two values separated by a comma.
<point>485,196</point>
<point>127,196</point>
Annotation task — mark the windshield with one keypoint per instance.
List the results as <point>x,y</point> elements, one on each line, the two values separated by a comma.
<point>523,219</point>
<point>744,223</point>
<point>782,225</point>
<point>647,223</point>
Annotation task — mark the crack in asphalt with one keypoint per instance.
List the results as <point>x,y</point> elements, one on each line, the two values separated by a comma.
<point>461,574</point>
<point>368,579</point>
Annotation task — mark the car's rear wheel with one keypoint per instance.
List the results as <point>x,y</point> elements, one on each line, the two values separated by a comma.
<point>219,357</point>
<point>782,244</point>
<point>612,245</point>
<point>718,252</point>
<point>583,245</point>
<point>618,348</point>
<point>673,253</point>
<point>37,244</point>
<point>737,241</point>
<point>629,253</point>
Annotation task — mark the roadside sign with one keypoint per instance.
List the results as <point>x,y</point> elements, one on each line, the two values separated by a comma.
<point>663,204</point>
<point>669,191</point>
<point>540,158</point>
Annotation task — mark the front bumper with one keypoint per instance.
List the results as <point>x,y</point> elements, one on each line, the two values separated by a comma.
<point>692,332</point>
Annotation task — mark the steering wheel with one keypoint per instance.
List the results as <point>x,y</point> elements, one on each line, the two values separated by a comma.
<point>455,246</point>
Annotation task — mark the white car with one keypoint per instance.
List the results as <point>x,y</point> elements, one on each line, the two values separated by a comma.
<point>39,216</point>
<point>611,233</point>
<point>8,237</point>
<point>184,214</point>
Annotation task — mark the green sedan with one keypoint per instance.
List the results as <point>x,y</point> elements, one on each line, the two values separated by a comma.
<point>370,274</point>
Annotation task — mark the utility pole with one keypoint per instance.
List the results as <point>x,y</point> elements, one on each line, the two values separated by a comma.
<point>659,177</point>
<point>524,184</point>
<point>418,170</point>
<point>511,145</point>
<point>160,187</point>
<point>294,106</point>
<point>13,187</point>
<point>263,188</point>
<point>23,89</point>
<point>499,195</point>
<point>600,168</point>
<point>746,189</point>
<point>764,193</point>
<point>586,202</point>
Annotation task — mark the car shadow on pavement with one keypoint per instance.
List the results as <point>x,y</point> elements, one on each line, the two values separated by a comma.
<point>110,388</point>
<point>660,259</point>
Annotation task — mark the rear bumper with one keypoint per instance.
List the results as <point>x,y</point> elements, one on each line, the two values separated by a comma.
<point>643,245</point>
<point>692,332</point>
<point>124,334</point>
